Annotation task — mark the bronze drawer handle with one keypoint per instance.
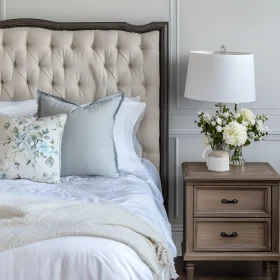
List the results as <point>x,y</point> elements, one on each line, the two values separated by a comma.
<point>226,201</point>
<point>234,234</point>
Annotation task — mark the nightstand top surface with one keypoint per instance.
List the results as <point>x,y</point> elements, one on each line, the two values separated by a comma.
<point>253,171</point>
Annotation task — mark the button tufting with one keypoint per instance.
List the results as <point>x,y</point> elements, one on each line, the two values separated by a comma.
<point>39,64</point>
<point>141,47</point>
<point>72,47</point>
<point>79,84</point>
<point>64,65</point>
<point>52,83</point>
<point>118,47</point>
<point>2,82</point>
<point>130,66</point>
<point>144,84</point>
<point>105,66</point>
<point>15,64</point>
<point>27,81</point>
<point>118,84</point>
<point>93,46</point>
<point>27,45</point>
<point>4,44</point>
<point>52,46</point>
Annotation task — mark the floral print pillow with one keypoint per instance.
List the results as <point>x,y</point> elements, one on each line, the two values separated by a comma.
<point>30,148</point>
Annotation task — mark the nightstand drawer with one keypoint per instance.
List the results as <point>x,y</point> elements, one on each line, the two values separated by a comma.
<point>215,234</point>
<point>232,201</point>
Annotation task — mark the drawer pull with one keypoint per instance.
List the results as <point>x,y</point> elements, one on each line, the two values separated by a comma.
<point>226,201</point>
<point>234,234</point>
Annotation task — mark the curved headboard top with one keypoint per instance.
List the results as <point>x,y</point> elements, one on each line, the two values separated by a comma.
<point>86,61</point>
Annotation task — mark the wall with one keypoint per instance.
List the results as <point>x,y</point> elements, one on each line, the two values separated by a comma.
<point>250,26</point>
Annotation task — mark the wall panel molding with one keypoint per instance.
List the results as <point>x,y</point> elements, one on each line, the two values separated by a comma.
<point>174,43</point>
<point>273,134</point>
<point>3,9</point>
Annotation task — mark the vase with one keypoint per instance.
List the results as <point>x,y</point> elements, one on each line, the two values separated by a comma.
<point>236,156</point>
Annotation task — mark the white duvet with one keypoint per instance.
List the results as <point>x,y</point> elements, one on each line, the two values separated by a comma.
<point>86,258</point>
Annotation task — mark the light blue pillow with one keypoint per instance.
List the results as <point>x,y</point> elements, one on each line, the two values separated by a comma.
<point>87,145</point>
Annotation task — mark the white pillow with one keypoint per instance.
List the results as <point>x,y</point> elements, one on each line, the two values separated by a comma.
<point>127,117</point>
<point>26,108</point>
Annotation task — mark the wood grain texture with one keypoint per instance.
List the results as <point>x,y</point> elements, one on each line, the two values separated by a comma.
<point>255,218</point>
<point>274,270</point>
<point>224,271</point>
<point>249,202</point>
<point>252,234</point>
<point>254,172</point>
<point>189,271</point>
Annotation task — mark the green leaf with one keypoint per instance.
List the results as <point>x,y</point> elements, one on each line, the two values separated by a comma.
<point>7,125</point>
<point>50,162</point>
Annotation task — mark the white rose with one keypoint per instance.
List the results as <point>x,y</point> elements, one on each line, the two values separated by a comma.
<point>199,113</point>
<point>260,126</point>
<point>226,114</point>
<point>235,134</point>
<point>246,114</point>
<point>224,122</point>
<point>213,123</point>
<point>219,121</point>
<point>244,123</point>
<point>252,122</point>
<point>207,140</point>
<point>237,115</point>
<point>219,128</point>
<point>266,128</point>
<point>207,116</point>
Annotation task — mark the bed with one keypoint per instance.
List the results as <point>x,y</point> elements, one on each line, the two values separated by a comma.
<point>66,59</point>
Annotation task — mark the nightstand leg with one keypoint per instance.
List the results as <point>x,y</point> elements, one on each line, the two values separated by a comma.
<point>190,271</point>
<point>264,265</point>
<point>274,270</point>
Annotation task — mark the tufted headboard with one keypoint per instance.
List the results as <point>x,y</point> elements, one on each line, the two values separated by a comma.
<point>86,61</point>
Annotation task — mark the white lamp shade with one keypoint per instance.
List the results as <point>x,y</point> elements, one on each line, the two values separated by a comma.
<point>225,78</point>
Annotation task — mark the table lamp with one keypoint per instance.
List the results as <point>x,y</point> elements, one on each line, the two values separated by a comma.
<point>221,77</point>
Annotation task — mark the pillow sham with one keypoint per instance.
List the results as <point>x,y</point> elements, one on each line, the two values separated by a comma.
<point>88,146</point>
<point>26,108</point>
<point>30,148</point>
<point>124,131</point>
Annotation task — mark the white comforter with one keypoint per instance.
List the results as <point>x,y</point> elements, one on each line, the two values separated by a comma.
<point>86,258</point>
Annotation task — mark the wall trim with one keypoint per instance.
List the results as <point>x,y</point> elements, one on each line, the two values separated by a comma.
<point>174,44</point>
<point>273,134</point>
<point>3,9</point>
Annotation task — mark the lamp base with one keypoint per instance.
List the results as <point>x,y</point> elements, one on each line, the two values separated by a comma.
<point>220,106</point>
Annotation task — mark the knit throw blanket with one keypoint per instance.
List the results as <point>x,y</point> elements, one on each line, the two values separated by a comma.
<point>26,223</point>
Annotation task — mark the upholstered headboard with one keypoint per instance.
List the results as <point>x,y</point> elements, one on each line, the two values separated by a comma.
<point>84,62</point>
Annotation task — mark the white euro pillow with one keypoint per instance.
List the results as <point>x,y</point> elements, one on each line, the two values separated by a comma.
<point>128,117</point>
<point>26,108</point>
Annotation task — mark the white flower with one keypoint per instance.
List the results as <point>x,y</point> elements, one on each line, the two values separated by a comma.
<point>252,122</point>
<point>246,114</point>
<point>219,121</point>
<point>207,117</point>
<point>224,122</point>
<point>213,123</point>
<point>245,123</point>
<point>199,113</point>
<point>235,134</point>
<point>226,114</point>
<point>219,128</point>
<point>260,126</point>
<point>237,115</point>
<point>266,128</point>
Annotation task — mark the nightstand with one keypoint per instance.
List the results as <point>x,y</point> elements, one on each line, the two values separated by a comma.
<point>231,216</point>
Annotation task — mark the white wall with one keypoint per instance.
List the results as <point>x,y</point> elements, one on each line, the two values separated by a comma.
<point>251,26</point>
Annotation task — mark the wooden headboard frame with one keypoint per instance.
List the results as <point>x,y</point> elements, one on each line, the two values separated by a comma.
<point>162,27</point>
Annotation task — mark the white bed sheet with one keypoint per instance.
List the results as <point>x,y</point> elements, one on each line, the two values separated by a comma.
<point>86,258</point>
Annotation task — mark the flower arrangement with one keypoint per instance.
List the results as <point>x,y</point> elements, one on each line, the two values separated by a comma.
<point>234,129</point>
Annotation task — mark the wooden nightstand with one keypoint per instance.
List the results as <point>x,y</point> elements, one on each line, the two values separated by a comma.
<point>231,216</point>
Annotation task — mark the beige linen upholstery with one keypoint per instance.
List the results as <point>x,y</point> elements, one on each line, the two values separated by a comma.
<point>84,66</point>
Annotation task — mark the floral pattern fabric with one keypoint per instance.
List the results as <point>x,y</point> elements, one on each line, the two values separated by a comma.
<point>30,148</point>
